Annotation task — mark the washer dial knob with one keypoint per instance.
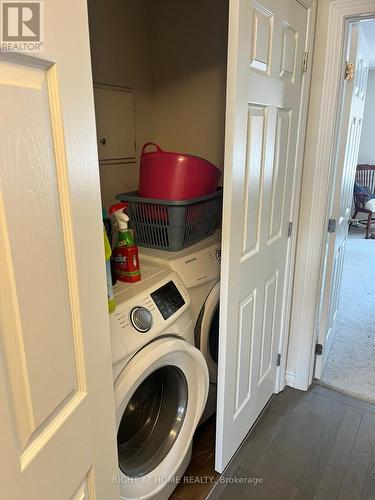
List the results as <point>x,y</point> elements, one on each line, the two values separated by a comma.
<point>141,319</point>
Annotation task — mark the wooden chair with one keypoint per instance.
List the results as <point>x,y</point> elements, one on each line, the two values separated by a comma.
<point>365,176</point>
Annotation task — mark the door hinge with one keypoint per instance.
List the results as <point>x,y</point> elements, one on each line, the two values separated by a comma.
<point>290,229</point>
<point>305,62</point>
<point>278,360</point>
<point>318,349</point>
<point>349,71</point>
<point>331,225</point>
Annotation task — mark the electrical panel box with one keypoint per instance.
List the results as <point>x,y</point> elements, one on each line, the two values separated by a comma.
<point>115,124</point>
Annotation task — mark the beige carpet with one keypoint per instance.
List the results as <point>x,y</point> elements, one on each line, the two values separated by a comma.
<point>350,367</point>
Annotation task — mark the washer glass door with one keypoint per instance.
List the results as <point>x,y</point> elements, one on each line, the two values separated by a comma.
<point>152,421</point>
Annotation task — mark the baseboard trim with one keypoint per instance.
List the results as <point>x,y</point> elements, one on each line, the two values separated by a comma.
<point>290,378</point>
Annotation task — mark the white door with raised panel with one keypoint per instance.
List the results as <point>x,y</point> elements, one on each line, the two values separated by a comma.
<point>346,159</point>
<point>265,56</point>
<point>57,418</point>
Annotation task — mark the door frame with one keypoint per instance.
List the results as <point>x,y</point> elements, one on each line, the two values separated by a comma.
<point>333,18</point>
<point>282,373</point>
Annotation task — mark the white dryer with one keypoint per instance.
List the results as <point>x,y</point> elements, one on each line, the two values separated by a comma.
<point>199,268</point>
<point>160,383</point>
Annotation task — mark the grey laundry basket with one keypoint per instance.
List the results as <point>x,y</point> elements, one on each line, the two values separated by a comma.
<point>172,225</point>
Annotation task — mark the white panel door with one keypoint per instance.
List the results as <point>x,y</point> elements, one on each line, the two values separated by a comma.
<point>57,416</point>
<point>265,55</point>
<point>346,162</point>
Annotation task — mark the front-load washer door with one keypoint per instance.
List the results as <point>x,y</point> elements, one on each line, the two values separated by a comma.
<point>160,396</point>
<point>207,331</point>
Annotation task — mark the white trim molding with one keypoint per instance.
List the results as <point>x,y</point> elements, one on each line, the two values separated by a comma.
<point>290,378</point>
<point>311,8</point>
<point>317,180</point>
<point>308,4</point>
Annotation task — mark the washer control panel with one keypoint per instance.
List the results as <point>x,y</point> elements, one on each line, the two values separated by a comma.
<point>141,318</point>
<point>168,299</point>
<point>149,306</point>
<point>157,305</point>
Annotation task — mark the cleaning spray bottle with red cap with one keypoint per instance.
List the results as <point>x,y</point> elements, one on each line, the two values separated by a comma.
<point>125,252</point>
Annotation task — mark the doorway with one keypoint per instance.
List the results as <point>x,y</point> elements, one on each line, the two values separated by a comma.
<point>347,312</point>
<point>350,362</point>
<point>159,72</point>
<point>177,96</point>
<point>308,331</point>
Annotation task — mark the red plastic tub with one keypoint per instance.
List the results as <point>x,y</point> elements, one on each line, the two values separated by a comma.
<point>175,176</point>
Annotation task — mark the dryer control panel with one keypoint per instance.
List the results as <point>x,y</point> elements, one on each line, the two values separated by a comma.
<point>196,264</point>
<point>199,267</point>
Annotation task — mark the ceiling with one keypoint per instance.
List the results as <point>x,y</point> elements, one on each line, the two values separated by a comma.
<point>369,32</point>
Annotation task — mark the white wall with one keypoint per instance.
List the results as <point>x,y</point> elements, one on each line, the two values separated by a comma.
<point>173,54</point>
<point>190,43</point>
<point>367,146</point>
<point>120,37</point>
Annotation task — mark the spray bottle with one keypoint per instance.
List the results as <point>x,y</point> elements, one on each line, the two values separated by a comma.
<point>108,252</point>
<point>125,252</point>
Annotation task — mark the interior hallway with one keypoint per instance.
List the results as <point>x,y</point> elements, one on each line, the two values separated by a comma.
<point>307,445</point>
<point>350,366</point>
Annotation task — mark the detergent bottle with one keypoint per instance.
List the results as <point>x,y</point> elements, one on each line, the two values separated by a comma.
<point>125,252</point>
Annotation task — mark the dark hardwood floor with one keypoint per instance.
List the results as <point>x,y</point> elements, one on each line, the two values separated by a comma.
<point>200,476</point>
<point>307,445</point>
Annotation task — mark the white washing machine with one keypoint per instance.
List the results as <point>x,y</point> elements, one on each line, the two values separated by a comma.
<point>199,268</point>
<point>161,383</point>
